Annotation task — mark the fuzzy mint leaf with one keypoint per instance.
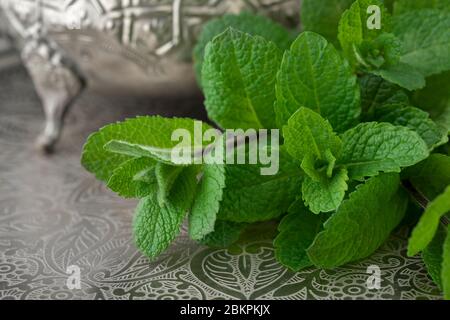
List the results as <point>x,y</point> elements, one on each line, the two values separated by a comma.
<point>326,194</point>
<point>297,231</point>
<point>126,180</point>
<point>313,75</point>
<point>415,119</point>
<point>426,39</point>
<point>362,223</point>
<point>322,16</point>
<point>255,25</point>
<point>224,235</point>
<point>156,226</point>
<point>428,224</point>
<point>154,132</point>
<point>202,218</point>
<point>371,148</point>
<point>238,78</point>
<point>308,133</point>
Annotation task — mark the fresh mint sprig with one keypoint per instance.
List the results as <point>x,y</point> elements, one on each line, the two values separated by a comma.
<point>364,116</point>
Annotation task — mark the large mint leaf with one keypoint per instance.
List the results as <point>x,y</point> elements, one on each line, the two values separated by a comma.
<point>154,132</point>
<point>238,77</point>
<point>251,197</point>
<point>313,75</point>
<point>362,223</point>
<point>322,16</point>
<point>308,133</point>
<point>428,224</point>
<point>445,276</point>
<point>246,22</point>
<point>431,176</point>
<point>326,194</point>
<point>370,148</point>
<point>126,181</point>
<point>415,119</point>
<point>297,231</point>
<point>376,92</point>
<point>426,39</point>
<point>207,201</point>
<point>156,226</point>
<point>224,235</point>
<point>432,256</point>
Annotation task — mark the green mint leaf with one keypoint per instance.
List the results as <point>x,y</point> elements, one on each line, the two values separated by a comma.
<point>428,224</point>
<point>415,119</point>
<point>166,176</point>
<point>404,75</point>
<point>431,176</point>
<point>224,235</point>
<point>322,16</point>
<point>308,133</point>
<point>313,75</point>
<point>251,197</point>
<point>432,256</point>
<point>370,148</point>
<point>353,30</point>
<point>154,132</point>
<point>207,201</point>
<point>297,231</point>
<point>126,182</point>
<point>445,276</point>
<point>238,77</point>
<point>376,92</point>
<point>403,6</point>
<point>361,224</point>
<point>156,226</point>
<point>246,22</point>
<point>426,39</point>
<point>325,195</point>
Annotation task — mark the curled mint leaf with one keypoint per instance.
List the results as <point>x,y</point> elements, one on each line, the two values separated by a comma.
<point>126,180</point>
<point>155,226</point>
<point>202,217</point>
<point>326,194</point>
<point>428,224</point>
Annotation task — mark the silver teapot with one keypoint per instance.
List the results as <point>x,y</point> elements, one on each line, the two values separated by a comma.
<point>128,46</point>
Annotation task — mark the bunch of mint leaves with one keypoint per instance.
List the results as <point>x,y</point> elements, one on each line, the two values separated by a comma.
<point>365,118</point>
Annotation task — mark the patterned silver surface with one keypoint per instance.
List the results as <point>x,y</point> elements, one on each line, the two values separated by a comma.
<point>53,214</point>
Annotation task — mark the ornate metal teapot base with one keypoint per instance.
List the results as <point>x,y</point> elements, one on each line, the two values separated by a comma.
<point>126,46</point>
